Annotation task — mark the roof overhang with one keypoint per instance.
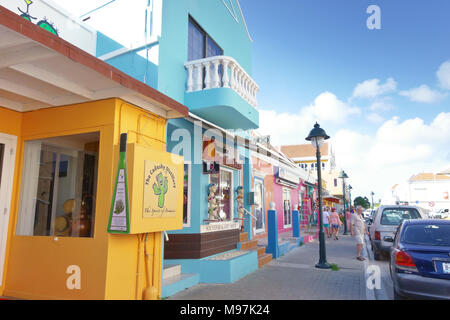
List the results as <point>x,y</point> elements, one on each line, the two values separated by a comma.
<point>40,70</point>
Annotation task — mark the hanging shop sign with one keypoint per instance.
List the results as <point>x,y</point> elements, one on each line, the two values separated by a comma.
<point>148,196</point>
<point>160,190</point>
<point>284,177</point>
<point>119,218</point>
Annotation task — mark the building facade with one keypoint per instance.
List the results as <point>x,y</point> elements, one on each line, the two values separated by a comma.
<point>63,116</point>
<point>427,190</point>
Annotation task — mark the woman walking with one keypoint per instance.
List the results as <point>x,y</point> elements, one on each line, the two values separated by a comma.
<point>335,223</point>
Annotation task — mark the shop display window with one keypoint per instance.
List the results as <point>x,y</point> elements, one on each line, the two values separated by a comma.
<point>58,187</point>
<point>287,207</point>
<point>224,179</point>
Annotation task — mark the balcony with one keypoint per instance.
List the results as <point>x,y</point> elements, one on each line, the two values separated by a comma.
<point>219,90</point>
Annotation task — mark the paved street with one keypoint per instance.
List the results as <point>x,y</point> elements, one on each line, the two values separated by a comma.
<point>294,277</point>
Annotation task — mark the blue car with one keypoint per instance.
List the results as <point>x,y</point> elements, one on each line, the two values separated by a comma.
<point>420,259</point>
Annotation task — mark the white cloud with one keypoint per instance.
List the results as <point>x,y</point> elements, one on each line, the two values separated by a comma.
<point>372,88</point>
<point>396,152</point>
<point>382,105</point>
<point>374,118</point>
<point>443,75</point>
<point>293,128</point>
<point>423,94</point>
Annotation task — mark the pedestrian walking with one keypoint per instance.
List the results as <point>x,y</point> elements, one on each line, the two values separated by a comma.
<point>358,229</point>
<point>326,222</point>
<point>335,223</point>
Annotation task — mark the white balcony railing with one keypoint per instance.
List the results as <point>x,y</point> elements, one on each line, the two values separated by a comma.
<point>221,72</point>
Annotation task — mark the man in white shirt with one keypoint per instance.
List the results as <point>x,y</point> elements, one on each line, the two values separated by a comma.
<point>358,229</point>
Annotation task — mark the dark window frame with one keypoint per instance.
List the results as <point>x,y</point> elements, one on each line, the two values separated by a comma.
<point>206,36</point>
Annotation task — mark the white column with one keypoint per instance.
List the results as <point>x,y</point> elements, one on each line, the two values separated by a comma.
<point>216,78</point>
<point>225,79</point>
<point>207,75</point>
<point>199,78</point>
<point>233,76</point>
<point>190,81</point>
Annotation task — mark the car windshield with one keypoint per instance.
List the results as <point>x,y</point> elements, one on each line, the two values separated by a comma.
<point>427,234</point>
<point>393,216</point>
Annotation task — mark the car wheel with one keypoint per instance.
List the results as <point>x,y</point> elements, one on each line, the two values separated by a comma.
<point>398,296</point>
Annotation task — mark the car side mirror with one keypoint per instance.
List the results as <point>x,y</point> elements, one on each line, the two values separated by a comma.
<point>388,239</point>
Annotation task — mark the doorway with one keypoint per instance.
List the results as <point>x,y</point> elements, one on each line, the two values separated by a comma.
<point>7,160</point>
<point>259,206</point>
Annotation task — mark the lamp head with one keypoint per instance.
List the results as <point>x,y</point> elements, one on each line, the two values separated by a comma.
<point>317,136</point>
<point>343,175</point>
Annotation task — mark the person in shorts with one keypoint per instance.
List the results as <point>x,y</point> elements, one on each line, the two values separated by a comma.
<point>326,222</point>
<point>335,223</point>
<point>358,229</point>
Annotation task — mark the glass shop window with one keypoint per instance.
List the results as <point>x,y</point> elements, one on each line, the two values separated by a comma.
<point>59,184</point>
<point>224,192</point>
<point>287,216</point>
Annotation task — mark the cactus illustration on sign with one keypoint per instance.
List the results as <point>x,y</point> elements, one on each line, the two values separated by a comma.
<point>160,189</point>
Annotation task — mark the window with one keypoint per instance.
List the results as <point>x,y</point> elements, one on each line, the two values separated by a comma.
<point>187,194</point>
<point>59,184</point>
<point>335,182</point>
<point>394,216</point>
<point>200,44</point>
<point>224,179</point>
<point>287,218</point>
<point>427,235</point>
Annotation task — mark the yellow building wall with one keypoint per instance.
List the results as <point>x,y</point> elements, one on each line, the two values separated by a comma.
<point>36,266</point>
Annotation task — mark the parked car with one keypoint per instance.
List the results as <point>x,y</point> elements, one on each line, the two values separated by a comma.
<point>366,213</point>
<point>420,260</point>
<point>385,223</point>
<point>441,214</point>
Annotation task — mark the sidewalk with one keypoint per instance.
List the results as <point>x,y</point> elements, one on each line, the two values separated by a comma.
<point>294,277</point>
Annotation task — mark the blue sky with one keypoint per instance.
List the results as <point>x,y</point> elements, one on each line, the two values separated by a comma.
<point>310,54</point>
<point>325,45</point>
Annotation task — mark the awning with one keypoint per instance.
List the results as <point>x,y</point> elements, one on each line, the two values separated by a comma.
<point>40,70</point>
<point>332,199</point>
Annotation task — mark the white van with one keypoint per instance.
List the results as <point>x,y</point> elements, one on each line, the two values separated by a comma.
<point>385,223</point>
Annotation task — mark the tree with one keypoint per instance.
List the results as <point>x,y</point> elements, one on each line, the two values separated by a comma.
<point>360,201</point>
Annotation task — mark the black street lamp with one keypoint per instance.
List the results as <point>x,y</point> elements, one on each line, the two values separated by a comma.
<point>344,176</point>
<point>317,136</point>
<point>372,194</point>
<point>350,195</point>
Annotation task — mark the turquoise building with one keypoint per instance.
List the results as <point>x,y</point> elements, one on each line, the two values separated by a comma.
<point>197,52</point>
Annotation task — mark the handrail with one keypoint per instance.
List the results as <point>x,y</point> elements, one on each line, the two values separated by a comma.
<point>250,213</point>
<point>225,58</point>
<point>221,72</point>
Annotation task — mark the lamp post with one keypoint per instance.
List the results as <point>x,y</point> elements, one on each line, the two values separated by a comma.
<point>372,194</point>
<point>317,136</point>
<point>350,194</point>
<point>344,176</point>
